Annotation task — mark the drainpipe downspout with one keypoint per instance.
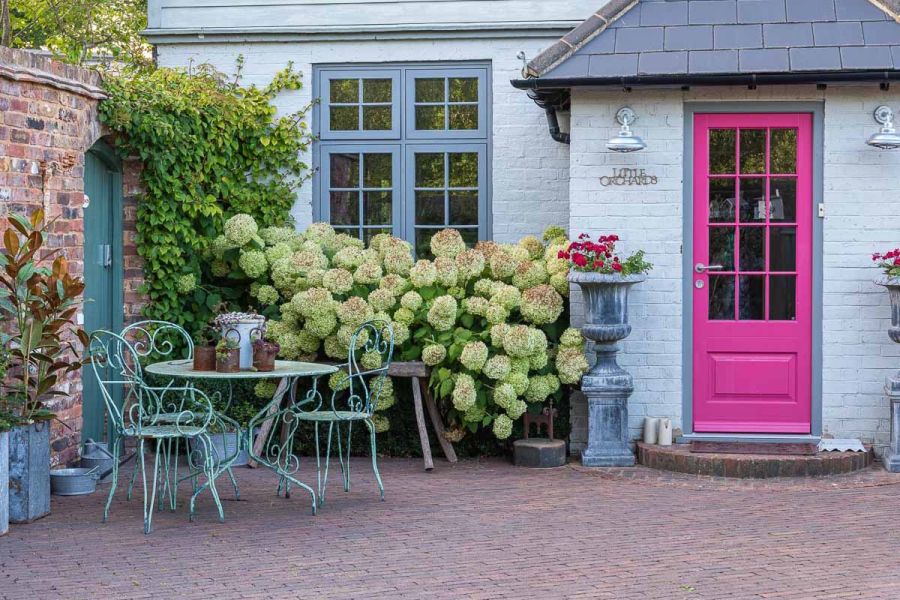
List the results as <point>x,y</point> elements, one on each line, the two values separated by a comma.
<point>552,101</point>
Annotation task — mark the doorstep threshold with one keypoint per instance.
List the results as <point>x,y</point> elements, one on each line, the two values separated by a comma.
<point>750,438</point>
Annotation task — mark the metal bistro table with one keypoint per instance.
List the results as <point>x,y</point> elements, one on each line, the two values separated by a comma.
<point>276,454</point>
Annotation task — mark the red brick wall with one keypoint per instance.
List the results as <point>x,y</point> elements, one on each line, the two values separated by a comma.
<point>48,120</point>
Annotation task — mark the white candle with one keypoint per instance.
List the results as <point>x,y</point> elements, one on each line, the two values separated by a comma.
<point>650,426</point>
<point>665,432</point>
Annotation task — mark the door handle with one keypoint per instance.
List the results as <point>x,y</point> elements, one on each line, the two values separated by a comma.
<point>700,267</point>
<point>107,255</point>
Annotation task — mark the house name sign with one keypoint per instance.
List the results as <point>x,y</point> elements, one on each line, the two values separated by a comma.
<point>628,177</point>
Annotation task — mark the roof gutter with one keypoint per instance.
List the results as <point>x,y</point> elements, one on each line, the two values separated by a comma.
<point>749,79</point>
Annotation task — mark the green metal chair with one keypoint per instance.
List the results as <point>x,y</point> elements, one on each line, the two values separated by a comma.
<point>117,365</point>
<point>353,400</point>
<point>156,340</point>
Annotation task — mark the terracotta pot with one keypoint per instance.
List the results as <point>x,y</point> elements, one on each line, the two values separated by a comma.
<point>230,362</point>
<point>264,354</point>
<point>205,358</point>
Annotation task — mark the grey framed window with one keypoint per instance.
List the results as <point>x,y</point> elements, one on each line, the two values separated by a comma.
<point>403,149</point>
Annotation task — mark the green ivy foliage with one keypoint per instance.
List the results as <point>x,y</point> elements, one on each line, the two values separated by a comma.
<point>210,149</point>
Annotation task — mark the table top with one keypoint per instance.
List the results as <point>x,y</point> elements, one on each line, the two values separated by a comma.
<point>283,368</point>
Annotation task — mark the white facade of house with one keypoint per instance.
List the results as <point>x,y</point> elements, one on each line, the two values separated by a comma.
<point>536,182</point>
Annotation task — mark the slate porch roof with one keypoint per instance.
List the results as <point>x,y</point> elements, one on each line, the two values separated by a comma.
<point>630,41</point>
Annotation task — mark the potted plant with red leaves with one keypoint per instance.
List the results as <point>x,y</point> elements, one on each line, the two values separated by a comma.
<point>39,300</point>
<point>605,279</point>
<point>889,263</point>
<point>264,353</point>
<point>205,349</point>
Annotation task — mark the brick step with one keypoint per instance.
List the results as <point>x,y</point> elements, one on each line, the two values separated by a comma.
<point>680,459</point>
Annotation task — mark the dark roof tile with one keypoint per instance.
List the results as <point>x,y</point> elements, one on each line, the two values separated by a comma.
<point>881,33</point>
<point>787,35</point>
<point>639,39</point>
<point>713,61</point>
<point>691,37</point>
<point>737,37</point>
<point>858,10</point>
<point>712,12</point>
<point>664,13</point>
<point>847,33</point>
<point>800,11</point>
<point>764,60</point>
<point>651,63</point>
<point>867,57</point>
<point>760,11</point>
<point>613,65</point>
<point>815,59</point>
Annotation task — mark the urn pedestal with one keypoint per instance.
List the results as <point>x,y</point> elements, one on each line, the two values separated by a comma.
<point>607,385</point>
<point>892,385</point>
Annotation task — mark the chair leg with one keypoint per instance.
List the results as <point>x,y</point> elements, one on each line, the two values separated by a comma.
<point>234,484</point>
<point>371,427</point>
<point>319,487</point>
<point>134,473</point>
<point>209,470</point>
<point>347,458</point>
<point>173,489</point>
<point>117,445</point>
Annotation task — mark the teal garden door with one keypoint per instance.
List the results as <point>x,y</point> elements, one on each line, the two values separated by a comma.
<point>103,304</point>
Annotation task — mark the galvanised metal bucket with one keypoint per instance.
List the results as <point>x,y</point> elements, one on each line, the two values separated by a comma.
<point>74,482</point>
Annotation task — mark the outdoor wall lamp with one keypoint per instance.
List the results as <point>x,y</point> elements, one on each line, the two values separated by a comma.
<point>625,140</point>
<point>887,138</point>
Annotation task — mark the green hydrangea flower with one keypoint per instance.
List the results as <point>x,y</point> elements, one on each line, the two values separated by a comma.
<point>447,274</point>
<point>354,311</point>
<point>290,345</point>
<point>266,388</point>
<point>507,296</point>
<point>335,349</point>
<point>348,258</point>
<point>186,283</point>
<point>338,281</point>
<point>498,334</point>
<point>433,354</point>
<point>404,315</point>
<point>320,325</point>
<point>504,395</point>
<point>309,342</point>
<point>273,236</point>
<point>497,367</point>
<point>314,301</point>
<point>529,274</point>
<point>470,264</point>
<point>519,341</point>
<point>533,246</point>
<point>219,246</point>
<point>541,305</point>
<point>495,314</point>
<point>321,234</point>
<point>278,251</point>
<point>447,243</point>
<point>571,364</point>
<point>382,299</point>
<point>240,229</point>
<point>464,393</point>
<point>392,245</point>
<point>220,268</point>
<point>380,423</point>
<point>305,260</point>
<point>401,333</point>
<point>516,409</point>
<point>368,273</point>
<point>502,427</point>
<point>475,305</point>
<point>560,283</point>
<point>395,284</point>
<point>411,301</point>
<point>345,335</point>
<point>540,387</point>
<point>554,233</point>
<point>474,415</point>
<point>398,263</point>
<point>520,365</point>
<point>423,274</point>
<point>519,382</point>
<point>484,288</point>
<point>285,274</point>
<point>552,262</point>
<point>502,263</point>
<point>473,356</point>
<point>371,360</point>
<point>253,263</point>
<point>442,314</point>
<point>266,294</point>
<point>571,337</point>
<point>538,360</point>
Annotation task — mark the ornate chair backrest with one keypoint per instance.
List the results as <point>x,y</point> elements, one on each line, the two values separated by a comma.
<point>159,340</point>
<point>368,361</point>
<point>116,366</point>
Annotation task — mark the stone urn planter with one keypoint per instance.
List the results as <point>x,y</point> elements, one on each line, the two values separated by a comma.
<point>4,482</point>
<point>892,385</point>
<point>607,385</point>
<point>29,472</point>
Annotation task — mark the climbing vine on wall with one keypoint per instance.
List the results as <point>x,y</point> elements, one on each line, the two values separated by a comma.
<point>210,149</point>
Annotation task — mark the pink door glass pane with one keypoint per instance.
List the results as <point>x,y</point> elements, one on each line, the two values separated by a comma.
<point>752,292</point>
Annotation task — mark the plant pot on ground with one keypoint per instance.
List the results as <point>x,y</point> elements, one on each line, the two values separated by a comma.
<point>264,353</point>
<point>228,356</point>
<point>39,299</point>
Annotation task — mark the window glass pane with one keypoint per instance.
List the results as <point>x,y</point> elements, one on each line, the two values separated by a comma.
<point>377,207</point>
<point>423,242</point>
<point>430,118</point>
<point>783,298</point>
<point>377,90</point>
<point>464,116</point>
<point>430,208</point>
<point>783,199</point>
<point>721,247</point>
<point>782,248</point>
<point>344,118</point>
<point>463,89</point>
<point>463,169</point>
<point>783,151</point>
<point>344,170</point>
<point>377,118</point>
<point>721,200</point>
<point>722,150</point>
<point>469,236</point>
<point>430,89</point>
<point>464,207</point>
<point>753,200</point>
<point>368,234</point>
<point>345,208</point>
<point>753,150</point>
<point>721,297</point>
<point>752,297</point>
<point>753,242</point>
<point>377,170</point>
<point>344,90</point>
<point>430,170</point>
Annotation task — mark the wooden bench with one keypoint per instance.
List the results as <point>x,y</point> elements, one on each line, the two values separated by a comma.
<point>418,372</point>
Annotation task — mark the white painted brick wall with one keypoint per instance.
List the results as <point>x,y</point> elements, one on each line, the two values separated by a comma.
<point>530,171</point>
<point>860,193</point>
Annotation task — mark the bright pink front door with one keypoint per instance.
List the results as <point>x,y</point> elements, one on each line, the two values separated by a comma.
<point>752,273</point>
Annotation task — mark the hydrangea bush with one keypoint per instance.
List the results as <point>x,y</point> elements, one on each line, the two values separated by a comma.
<point>487,320</point>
